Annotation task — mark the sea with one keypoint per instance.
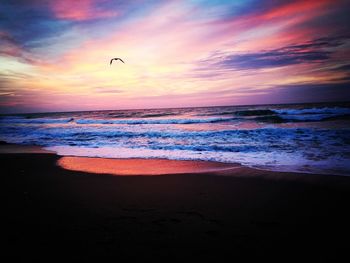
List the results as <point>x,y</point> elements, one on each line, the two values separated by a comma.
<point>306,138</point>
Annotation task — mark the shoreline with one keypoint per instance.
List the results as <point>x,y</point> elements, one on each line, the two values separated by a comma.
<point>113,166</point>
<point>10,148</point>
<point>120,167</point>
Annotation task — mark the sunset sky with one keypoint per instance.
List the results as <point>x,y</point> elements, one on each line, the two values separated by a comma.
<point>54,55</point>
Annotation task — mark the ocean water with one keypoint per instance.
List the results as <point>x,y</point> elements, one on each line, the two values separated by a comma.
<point>310,138</point>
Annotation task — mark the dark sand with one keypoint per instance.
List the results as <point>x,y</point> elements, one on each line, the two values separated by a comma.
<point>53,214</point>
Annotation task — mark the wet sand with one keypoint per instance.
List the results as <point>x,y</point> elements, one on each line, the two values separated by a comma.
<point>56,214</point>
<point>144,167</point>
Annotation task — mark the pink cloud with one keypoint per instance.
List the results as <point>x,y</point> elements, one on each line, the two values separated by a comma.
<point>80,10</point>
<point>280,25</point>
<point>295,8</point>
<point>8,45</point>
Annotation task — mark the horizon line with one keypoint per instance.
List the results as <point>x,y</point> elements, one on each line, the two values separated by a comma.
<point>186,107</point>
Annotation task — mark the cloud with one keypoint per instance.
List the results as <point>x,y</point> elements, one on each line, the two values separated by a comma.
<point>8,45</point>
<point>314,51</point>
<point>345,68</point>
<point>109,90</point>
<point>46,28</point>
<point>312,92</point>
<point>81,10</point>
<point>25,26</point>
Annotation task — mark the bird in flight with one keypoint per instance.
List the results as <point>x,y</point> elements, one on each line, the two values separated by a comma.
<point>110,63</point>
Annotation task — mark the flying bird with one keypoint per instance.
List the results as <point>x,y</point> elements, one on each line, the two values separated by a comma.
<point>110,63</point>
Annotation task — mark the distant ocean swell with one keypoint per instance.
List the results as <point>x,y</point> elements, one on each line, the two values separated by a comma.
<point>317,141</point>
<point>274,116</point>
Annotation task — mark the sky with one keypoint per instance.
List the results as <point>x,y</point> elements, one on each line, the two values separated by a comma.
<point>54,55</point>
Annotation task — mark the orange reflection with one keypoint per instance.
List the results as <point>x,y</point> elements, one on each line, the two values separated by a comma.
<point>144,167</point>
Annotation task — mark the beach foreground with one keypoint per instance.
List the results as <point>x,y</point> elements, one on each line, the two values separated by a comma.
<point>54,214</point>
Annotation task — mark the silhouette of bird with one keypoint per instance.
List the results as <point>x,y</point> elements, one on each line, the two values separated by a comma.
<point>110,63</point>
